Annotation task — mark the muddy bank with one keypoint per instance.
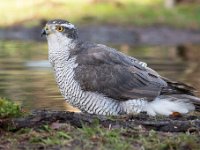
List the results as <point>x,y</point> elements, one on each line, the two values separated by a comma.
<point>155,35</point>
<point>65,130</point>
<point>167,124</point>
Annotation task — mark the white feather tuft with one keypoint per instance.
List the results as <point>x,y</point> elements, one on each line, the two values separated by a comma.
<point>167,107</point>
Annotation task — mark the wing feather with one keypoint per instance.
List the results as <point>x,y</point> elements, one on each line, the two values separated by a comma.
<point>107,71</point>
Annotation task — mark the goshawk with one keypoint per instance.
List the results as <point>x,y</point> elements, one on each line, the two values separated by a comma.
<point>101,80</point>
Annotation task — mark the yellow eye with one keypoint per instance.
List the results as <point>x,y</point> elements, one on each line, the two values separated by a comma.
<point>59,28</point>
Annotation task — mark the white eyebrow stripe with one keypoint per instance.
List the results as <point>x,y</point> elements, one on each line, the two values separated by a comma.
<point>70,26</point>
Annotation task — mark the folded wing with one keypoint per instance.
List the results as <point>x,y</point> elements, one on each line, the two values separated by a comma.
<point>113,74</point>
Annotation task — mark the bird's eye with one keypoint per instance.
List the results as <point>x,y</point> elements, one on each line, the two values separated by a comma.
<point>59,28</point>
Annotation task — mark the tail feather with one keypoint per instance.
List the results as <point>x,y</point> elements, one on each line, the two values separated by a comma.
<point>193,99</point>
<point>180,91</point>
<point>177,88</point>
<point>168,104</point>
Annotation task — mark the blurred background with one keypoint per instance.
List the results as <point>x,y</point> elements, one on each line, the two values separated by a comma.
<point>163,33</point>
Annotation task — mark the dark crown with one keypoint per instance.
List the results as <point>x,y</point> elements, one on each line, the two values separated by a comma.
<point>69,32</point>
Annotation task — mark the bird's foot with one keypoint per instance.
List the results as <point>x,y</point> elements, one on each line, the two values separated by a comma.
<point>176,115</point>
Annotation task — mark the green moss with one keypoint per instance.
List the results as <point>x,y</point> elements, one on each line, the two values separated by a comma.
<point>103,138</point>
<point>96,136</point>
<point>161,141</point>
<point>9,109</point>
<point>135,139</point>
<point>56,138</point>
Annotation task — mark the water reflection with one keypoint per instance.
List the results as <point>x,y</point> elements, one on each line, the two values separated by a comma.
<point>26,76</point>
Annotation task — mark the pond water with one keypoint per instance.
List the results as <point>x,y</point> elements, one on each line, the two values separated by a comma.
<point>27,78</point>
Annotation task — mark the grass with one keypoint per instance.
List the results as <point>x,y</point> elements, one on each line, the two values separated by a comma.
<point>61,135</point>
<point>122,12</point>
<point>103,138</point>
<point>9,109</point>
<point>97,137</point>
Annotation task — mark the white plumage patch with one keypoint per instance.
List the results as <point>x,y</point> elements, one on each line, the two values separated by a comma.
<point>134,105</point>
<point>69,25</point>
<point>167,107</point>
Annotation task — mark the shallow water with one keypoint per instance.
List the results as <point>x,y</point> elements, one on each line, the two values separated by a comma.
<point>27,78</point>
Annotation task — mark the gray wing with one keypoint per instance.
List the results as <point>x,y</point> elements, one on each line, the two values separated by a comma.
<point>107,71</point>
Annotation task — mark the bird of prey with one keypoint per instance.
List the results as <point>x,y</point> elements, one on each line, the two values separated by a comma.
<point>101,80</point>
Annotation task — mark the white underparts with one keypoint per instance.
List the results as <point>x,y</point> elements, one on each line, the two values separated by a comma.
<point>167,107</point>
<point>158,106</point>
<point>133,106</point>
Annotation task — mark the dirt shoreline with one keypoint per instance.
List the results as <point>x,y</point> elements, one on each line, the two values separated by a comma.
<point>153,35</point>
<point>68,130</point>
<point>166,124</point>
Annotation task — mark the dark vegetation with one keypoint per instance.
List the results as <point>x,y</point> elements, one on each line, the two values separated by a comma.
<point>58,129</point>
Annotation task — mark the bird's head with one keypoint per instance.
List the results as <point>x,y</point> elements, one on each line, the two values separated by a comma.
<point>56,29</point>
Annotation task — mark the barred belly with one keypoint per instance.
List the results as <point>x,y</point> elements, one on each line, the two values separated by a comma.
<point>84,100</point>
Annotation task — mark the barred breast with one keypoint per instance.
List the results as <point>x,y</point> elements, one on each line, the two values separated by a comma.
<point>86,101</point>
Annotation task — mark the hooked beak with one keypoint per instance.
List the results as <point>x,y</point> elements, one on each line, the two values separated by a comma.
<point>43,32</point>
